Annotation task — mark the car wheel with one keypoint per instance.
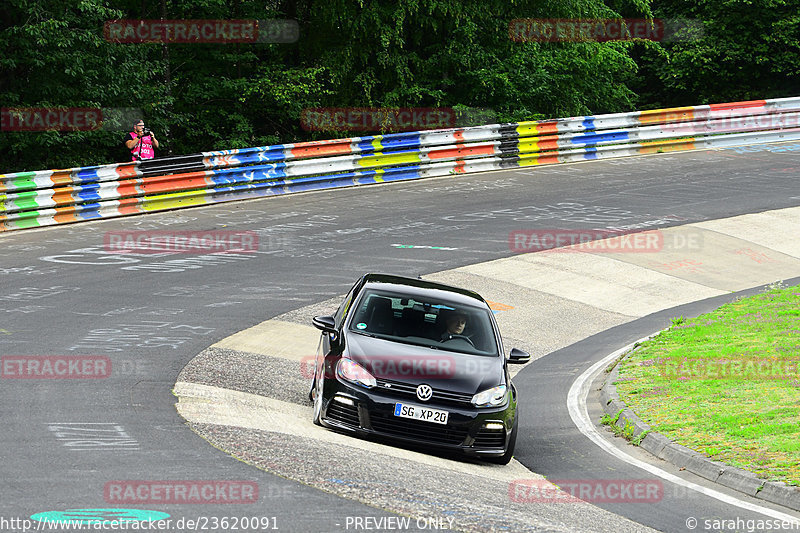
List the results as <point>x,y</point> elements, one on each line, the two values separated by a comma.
<point>318,402</point>
<point>512,441</point>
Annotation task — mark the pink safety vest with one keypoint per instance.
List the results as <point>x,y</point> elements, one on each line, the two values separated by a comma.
<point>144,149</point>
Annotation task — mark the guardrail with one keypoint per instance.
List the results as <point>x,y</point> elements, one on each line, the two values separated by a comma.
<point>47,197</point>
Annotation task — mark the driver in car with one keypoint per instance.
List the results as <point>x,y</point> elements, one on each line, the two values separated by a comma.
<point>456,321</point>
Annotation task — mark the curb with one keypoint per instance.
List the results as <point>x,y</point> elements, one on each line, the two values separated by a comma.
<point>688,459</point>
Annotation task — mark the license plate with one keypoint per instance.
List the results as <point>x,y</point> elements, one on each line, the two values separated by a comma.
<point>417,412</point>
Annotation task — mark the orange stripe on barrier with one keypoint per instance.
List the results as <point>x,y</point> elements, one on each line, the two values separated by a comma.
<point>174,182</point>
<point>129,206</point>
<point>675,114</point>
<point>65,214</point>
<point>547,127</point>
<point>654,147</point>
<point>61,177</point>
<point>548,143</point>
<point>63,196</point>
<point>459,168</point>
<point>459,135</point>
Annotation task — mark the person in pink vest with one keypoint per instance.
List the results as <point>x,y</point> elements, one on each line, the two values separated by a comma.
<point>141,142</point>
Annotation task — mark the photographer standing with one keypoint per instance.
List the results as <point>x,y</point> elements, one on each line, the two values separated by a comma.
<point>141,142</point>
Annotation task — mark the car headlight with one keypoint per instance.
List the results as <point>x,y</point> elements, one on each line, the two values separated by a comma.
<point>494,397</point>
<point>355,373</point>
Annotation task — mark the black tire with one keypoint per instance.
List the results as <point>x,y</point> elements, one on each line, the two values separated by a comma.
<point>512,441</point>
<point>317,399</point>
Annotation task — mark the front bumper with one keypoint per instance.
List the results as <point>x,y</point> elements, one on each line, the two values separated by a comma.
<point>370,412</point>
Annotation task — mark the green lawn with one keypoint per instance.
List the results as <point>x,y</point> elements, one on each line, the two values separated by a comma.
<point>726,384</point>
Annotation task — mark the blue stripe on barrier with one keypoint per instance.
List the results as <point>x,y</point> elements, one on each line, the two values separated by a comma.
<point>591,153</point>
<point>252,173</point>
<point>595,138</point>
<point>85,175</point>
<point>89,211</point>
<point>365,144</point>
<point>401,173</point>
<point>396,141</point>
<point>588,123</point>
<point>87,193</point>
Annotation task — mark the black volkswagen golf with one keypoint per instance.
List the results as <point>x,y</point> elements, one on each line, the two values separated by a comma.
<point>419,362</point>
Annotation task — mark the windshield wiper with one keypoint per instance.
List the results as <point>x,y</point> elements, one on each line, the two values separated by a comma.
<point>372,335</point>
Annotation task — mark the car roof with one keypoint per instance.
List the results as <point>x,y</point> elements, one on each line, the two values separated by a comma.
<point>422,288</point>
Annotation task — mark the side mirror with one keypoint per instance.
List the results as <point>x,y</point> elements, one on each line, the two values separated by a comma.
<point>324,323</point>
<point>518,357</point>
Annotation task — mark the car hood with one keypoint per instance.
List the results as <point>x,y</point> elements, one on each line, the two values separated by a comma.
<point>441,369</point>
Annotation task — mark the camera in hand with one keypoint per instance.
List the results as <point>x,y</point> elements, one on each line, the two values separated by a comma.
<point>146,132</point>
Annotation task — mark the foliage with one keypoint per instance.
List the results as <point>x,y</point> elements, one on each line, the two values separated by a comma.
<point>404,53</point>
<point>741,50</point>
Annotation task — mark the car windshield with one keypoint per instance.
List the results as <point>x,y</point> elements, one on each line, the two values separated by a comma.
<point>434,323</point>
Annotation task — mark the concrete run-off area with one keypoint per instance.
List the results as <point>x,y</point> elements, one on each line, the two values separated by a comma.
<point>247,394</point>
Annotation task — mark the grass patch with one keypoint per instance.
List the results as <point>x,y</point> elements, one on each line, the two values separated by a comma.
<point>726,384</point>
<point>625,431</point>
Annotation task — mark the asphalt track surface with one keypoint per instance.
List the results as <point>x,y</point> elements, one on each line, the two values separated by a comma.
<point>63,293</point>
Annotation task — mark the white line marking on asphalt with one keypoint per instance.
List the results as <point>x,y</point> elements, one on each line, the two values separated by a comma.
<point>576,403</point>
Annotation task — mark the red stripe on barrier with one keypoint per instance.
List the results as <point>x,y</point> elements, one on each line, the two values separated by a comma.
<point>462,151</point>
<point>734,105</point>
<point>337,148</point>
<point>126,171</point>
<point>128,188</point>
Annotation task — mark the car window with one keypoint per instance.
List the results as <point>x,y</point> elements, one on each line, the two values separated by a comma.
<point>424,322</point>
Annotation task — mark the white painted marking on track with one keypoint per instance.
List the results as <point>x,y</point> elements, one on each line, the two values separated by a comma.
<point>576,403</point>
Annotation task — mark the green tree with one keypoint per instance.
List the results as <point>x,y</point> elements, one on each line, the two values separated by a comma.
<point>741,50</point>
<point>53,54</point>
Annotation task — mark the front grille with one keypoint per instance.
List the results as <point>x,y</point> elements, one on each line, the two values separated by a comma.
<point>439,395</point>
<point>413,429</point>
<point>487,438</point>
<point>344,414</point>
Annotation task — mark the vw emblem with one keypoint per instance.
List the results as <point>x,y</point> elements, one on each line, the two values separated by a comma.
<point>424,392</point>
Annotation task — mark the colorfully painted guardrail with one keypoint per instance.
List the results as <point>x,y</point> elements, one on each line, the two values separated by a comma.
<point>47,197</point>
